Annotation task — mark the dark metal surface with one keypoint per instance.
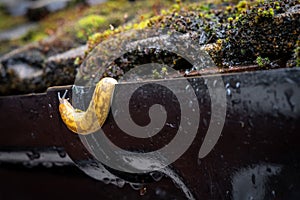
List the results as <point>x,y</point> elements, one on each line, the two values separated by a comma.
<point>256,157</point>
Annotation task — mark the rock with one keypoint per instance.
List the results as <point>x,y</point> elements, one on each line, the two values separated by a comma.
<point>230,36</point>
<point>237,34</point>
<point>16,7</point>
<point>29,69</point>
<point>266,34</point>
<point>34,9</point>
<point>21,70</point>
<point>94,2</point>
<point>17,32</point>
<point>42,8</point>
<point>29,54</point>
<point>60,69</point>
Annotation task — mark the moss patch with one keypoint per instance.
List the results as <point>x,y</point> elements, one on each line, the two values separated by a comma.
<point>86,26</point>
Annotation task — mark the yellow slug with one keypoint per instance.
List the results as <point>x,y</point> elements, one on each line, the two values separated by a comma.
<point>91,120</point>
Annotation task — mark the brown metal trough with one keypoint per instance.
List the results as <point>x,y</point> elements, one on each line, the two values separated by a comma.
<point>256,157</point>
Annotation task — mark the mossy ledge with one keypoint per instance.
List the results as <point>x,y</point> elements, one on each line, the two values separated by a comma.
<point>233,34</point>
<point>264,33</point>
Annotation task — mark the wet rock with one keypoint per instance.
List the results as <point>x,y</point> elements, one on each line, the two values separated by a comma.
<point>25,71</point>
<point>35,10</point>
<point>237,34</point>
<point>34,67</point>
<point>268,31</point>
<point>61,69</point>
<point>56,44</point>
<point>16,7</point>
<point>42,8</point>
<point>17,32</point>
<point>29,54</point>
<point>231,36</point>
<point>21,70</point>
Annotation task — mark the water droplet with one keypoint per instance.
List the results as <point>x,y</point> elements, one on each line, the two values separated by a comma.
<point>227,85</point>
<point>190,104</point>
<point>242,124</point>
<point>106,180</point>
<point>170,125</point>
<point>50,106</point>
<point>187,72</point>
<point>27,164</point>
<point>33,155</point>
<point>237,85</point>
<point>157,176</point>
<point>47,164</point>
<point>59,164</point>
<point>61,153</point>
<point>120,182</point>
<point>228,92</point>
<point>136,186</point>
<point>94,164</point>
<point>215,83</point>
<point>273,193</point>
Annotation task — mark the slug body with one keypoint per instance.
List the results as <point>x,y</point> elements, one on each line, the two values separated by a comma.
<point>91,120</point>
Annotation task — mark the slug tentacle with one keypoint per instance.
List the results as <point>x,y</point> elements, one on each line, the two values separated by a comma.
<point>91,120</point>
<point>61,99</point>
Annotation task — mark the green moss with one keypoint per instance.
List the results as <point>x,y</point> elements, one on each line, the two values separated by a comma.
<point>230,19</point>
<point>177,6</point>
<point>262,62</point>
<point>155,74</point>
<point>77,61</point>
<point>242,6</point>
<point>88,25</point>
<point>163,73</point>
<point>240,32</point>
<point>266,13</point>
<point>98,37</point>
<point>33,36</point>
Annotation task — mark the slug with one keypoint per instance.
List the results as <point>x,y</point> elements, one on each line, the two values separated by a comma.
<point>91,120</point>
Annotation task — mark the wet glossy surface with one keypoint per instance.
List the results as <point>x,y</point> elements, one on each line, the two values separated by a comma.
<point>256,157</point>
